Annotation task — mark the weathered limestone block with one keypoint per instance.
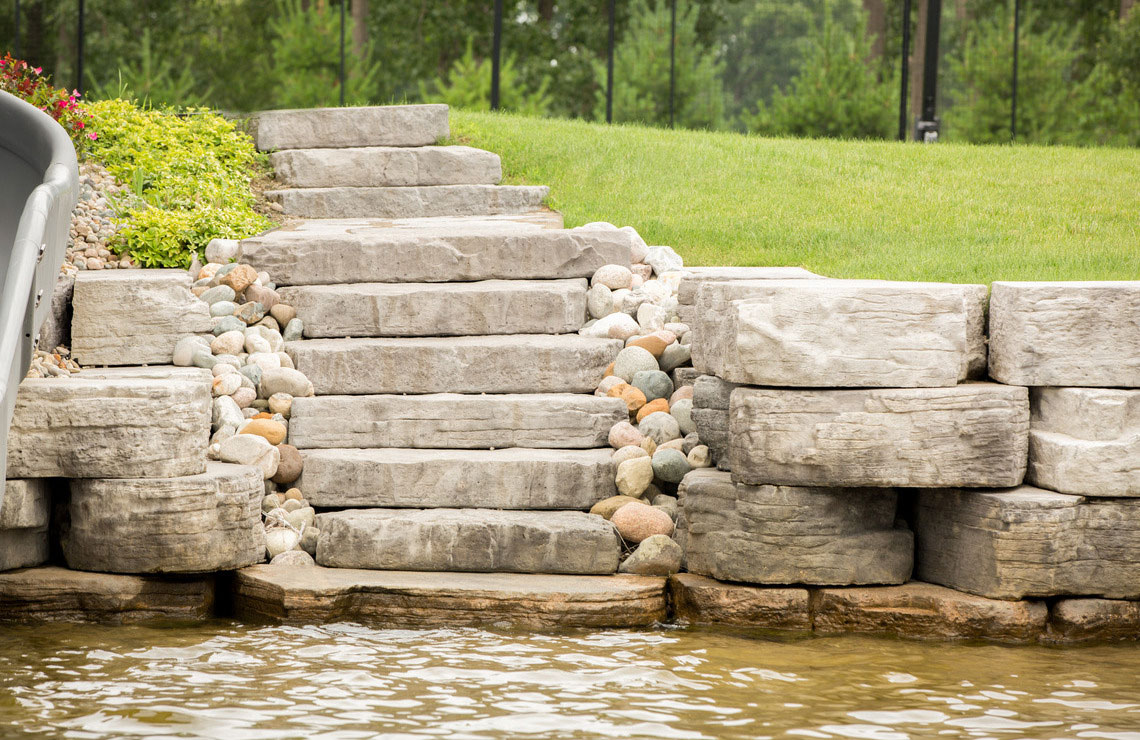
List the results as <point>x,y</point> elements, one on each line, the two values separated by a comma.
<point>514,478</point>
<point>1065,333</point>
<point>431,251</point>
<point>710,414</point>
<point>468,540</point>
<point>1081,620</point>
<point>1028,542</point>
<point>192,524</point>
<point>388,125</point>
<point>364,167</point>
<point>787,534</point>
<point>702,601</point>
<point>695,277</point>
<point>1085,440</point>
<point>455,420</point>
<point>411,202</point>
<point>416,599</point>
<point>24,516</point>
<point>518,363</point>
<point>56,329</point>
<point>971,435</point>
<point>117,423</point>
<point>926,611</point>
<point>440,309</point>
<point>825,333</point>
<point>59,595</point>
<point>133,317</point>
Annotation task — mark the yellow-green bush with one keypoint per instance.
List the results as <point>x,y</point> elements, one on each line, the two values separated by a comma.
<point>190,173</point>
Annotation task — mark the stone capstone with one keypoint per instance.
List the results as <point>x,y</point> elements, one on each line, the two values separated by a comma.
<point>454,420</point>
<point>1065,333</point>
<point>390,125</point>
<point>133,317</point>
<point>788,534</point>
<point>514,478</point>
<point>1028,542</point>
<point>116,423</point>
<point>193,524</point>
<point>973,435</point>
<point>1085,441</point>
<point>824,333</point>
<point>470,540</point>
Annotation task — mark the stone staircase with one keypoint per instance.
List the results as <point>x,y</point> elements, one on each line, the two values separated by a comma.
<point>454,426</point>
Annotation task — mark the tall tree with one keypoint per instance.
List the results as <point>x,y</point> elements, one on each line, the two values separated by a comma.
<point>876,11</point>
<point>359,26</point>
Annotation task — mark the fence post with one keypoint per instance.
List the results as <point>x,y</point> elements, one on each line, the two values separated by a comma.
<point>342,76</point>
<point>496,53</point>
<point>928,124</point>
<point>672,58</point>
<point>610,69</point>
<point>905,62</point>
<point>79,51</point>
<point>1013,101</point>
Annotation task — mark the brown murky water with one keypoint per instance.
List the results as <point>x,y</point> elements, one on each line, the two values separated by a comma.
<point>225,680</point>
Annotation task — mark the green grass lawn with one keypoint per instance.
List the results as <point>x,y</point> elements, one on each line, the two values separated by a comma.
<point>948,212</point>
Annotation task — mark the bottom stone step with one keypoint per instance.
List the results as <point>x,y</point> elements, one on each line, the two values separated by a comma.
<point>476,540</point>
<point>408,599</point>
<point>52,594</point>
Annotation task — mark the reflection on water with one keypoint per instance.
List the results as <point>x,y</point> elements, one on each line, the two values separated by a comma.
<point>224,680</point>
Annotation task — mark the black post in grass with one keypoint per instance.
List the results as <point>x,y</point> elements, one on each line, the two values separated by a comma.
<point>1013,100</point>
<point>928,123</point>
<point>610,68</point>
<point>905,69</point>
<point>79,50</point>
<point>342,77</point>
<point>16,43</point>
<point>672,59</point>
<point>496,53</point>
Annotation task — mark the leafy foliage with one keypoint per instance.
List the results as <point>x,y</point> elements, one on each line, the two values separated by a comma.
<point>190,174</point>
<point>835,94</point>
<point>306,59</point>
<point>468,85</point>
<point>641,71</point>
<point>29,83</point>
<point>153,79</point>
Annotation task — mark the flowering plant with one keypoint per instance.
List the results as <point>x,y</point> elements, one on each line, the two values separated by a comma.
<point>29,83</point>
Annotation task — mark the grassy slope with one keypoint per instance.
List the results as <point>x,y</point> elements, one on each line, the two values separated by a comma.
<point>845,209</point>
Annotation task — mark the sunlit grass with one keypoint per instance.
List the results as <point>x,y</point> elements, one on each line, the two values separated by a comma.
<point>947,212</point>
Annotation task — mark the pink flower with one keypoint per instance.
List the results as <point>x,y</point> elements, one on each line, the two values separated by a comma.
<point>93,137</point>
<point>38,69</point>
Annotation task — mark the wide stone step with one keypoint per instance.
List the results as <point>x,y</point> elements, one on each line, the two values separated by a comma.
<point>411,599</point>
<point>515,478</point>
<point>433,250</point>
<point>454,420</point>
<point>471,540</point>
<point>409,202</point>
<point>522,363</point>
<point>320,128</point>
<point>385,166</point>
<point>440,309</point>
<point>150,422</point>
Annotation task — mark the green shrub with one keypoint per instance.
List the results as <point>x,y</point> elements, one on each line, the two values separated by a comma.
<point>190,174</point>
<point>468,86</point>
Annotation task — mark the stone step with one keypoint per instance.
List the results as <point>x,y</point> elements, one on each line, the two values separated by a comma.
<point>469,540</point>
<point>322,128</point>
<point>440,309</point>
<point>385,166</point>
<point>409,202</point>
<point>433,250</point>
<point>24,518</point>
<point>454,420</point>
<point>521,363</point>
<point>51,594</point>
<point>411,599</point>
<point>150,422</point>
<point>514,478</point>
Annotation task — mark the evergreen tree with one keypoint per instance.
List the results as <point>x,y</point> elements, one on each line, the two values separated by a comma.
<point>641,71</point>
<point>468,85</point>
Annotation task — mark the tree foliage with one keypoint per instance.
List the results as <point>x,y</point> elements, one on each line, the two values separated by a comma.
<point>468,85</point>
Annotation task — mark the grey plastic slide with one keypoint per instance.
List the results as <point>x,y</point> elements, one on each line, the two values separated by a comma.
<point>39,186</point>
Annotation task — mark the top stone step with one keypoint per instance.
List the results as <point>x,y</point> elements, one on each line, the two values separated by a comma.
<point>335,128</point>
